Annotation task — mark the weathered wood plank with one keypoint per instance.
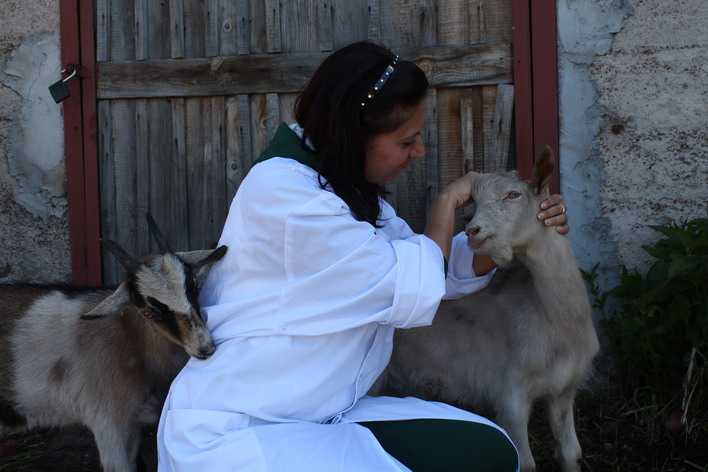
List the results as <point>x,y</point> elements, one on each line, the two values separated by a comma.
<point>122,30</point>
<point>159,31</point>
<point>287,73</point>
<point>467,133</point>
<point>259,129</point>
<point>177,28</point>
<point>168,192</point>
<point>272,114</point>
<point>140,28</point>
<point>489,102</point>
<point>430,137</point>
<point>299,25</point>
<point>142,160</point>
<point>373,20</point>
<point>205,177</point>
<point>243,35</point>
<point>238,136</point>
<point>501,128</point>
<point>257,20</point>
<point>103,30</point>
<point>213,28</point>
<point>476,20</point>
<point>349,22</point>
<point>496,20</point>
<point>287,107</point>
<point>107,184</point>
<point>228,27</point>
<point>273,28</point>
<point>325,25</point>
<point>453,16</point>
<point>123,148</point>
<point>408,23</point>
<point>450,140</point>
<point>194,28</point>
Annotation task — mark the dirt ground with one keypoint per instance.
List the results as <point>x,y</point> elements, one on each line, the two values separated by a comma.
<point>618,434</point>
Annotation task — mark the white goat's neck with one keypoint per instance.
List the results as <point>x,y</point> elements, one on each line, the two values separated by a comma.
<point>556,278</point>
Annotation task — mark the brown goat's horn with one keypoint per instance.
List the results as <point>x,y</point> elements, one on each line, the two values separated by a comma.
<point>157,235</point>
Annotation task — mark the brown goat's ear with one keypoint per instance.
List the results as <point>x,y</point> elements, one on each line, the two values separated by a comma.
<point>157,235</point>
<point>543,170</point>
<point>128,262</point>
<point>201,261</point>
<point>111,305</point>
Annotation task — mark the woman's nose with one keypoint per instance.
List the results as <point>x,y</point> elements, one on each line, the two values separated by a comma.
<point>418,150</point>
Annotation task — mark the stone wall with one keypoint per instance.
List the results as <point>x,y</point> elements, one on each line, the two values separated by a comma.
<point>34,240</point>
<point>634,123</point>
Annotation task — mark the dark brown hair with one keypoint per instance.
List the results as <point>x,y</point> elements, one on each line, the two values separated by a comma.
<point>330,112</point>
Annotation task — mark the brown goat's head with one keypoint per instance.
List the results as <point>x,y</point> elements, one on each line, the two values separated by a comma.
<point>165,290</point>
<point>505,218</point>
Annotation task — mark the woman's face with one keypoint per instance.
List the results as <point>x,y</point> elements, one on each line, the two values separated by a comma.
<point>388,154</point>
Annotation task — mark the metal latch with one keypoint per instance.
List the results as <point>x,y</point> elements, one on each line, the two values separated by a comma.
<point>60,89</point>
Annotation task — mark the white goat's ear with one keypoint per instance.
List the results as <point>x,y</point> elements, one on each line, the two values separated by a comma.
<point>543,170</point>
<point>201,261</point>
<point>111,305</point>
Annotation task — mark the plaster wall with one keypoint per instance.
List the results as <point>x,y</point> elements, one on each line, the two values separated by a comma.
<point>34,238</point>
<point>634,123</point>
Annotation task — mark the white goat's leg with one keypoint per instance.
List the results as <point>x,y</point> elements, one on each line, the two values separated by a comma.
<point>112,443</point>
<point>560,415</point>
<point>513,416</point>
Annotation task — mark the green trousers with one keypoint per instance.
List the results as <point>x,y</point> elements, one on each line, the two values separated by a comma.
<point>445,445</point>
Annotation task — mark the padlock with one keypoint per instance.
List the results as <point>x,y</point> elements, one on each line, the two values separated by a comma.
<point>59,90</point>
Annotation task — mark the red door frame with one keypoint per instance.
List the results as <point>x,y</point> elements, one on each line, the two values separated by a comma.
<point>536,83</point>
<point>536,115</point>
<point>76,22</point>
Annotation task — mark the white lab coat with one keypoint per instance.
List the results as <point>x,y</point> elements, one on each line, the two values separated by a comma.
<point>302,309</point>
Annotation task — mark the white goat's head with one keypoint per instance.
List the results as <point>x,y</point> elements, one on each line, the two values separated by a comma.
<point>165,290</point>
<point>505,219</point>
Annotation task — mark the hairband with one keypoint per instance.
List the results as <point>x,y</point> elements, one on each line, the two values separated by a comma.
<point>378,85</point>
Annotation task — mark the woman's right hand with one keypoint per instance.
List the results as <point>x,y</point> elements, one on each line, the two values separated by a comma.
<point>460,190</point>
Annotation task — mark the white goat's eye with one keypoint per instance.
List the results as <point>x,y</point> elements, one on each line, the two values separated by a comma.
<point>512,195</point>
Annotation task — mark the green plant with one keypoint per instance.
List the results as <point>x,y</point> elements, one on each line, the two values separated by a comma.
<point>662,316</point>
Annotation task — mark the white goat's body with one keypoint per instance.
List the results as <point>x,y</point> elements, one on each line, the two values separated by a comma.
<point>100,373</point>
<point>528,336</point>
<point>502,349</point>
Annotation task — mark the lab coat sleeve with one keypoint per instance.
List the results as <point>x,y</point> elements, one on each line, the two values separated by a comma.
<point>342,273</point>
<point>460,279</point>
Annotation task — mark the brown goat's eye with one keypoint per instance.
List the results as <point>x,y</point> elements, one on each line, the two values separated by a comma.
<point>512,195</point>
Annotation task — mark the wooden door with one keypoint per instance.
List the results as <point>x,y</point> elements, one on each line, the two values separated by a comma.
<point>189,92</point>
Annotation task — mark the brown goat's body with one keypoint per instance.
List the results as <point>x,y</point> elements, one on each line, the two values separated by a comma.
<point>59,370</point>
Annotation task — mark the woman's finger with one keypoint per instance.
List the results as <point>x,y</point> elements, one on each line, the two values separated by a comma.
<point>552,211</point>
<point>553,200</point>
<point>559,220</point>
<point>563,229</point>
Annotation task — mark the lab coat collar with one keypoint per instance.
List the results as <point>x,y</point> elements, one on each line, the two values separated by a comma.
<point>287,143</point>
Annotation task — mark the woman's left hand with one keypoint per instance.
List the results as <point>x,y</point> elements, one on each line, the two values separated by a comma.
<point>553,213</point>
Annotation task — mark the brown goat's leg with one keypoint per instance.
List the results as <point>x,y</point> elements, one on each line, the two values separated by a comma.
<point>560,416</point>
<point>112,443</point>
<point>514,418</point>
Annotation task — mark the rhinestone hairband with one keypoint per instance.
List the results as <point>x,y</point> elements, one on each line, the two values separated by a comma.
<point>380,83</point>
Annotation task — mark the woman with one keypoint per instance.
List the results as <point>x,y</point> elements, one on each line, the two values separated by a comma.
<point>319,273</point>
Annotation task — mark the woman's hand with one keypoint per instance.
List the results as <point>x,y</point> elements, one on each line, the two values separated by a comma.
<point>553,214</point>
<point>460,190</point>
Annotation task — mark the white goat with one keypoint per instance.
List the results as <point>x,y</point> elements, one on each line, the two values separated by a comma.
<point>113,372</point>
<point>528,336</point>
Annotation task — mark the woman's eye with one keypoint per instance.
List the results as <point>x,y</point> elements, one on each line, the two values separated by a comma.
<point>512,196</point>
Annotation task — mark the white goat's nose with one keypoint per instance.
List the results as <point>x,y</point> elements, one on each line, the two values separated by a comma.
<point>472,230</point>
